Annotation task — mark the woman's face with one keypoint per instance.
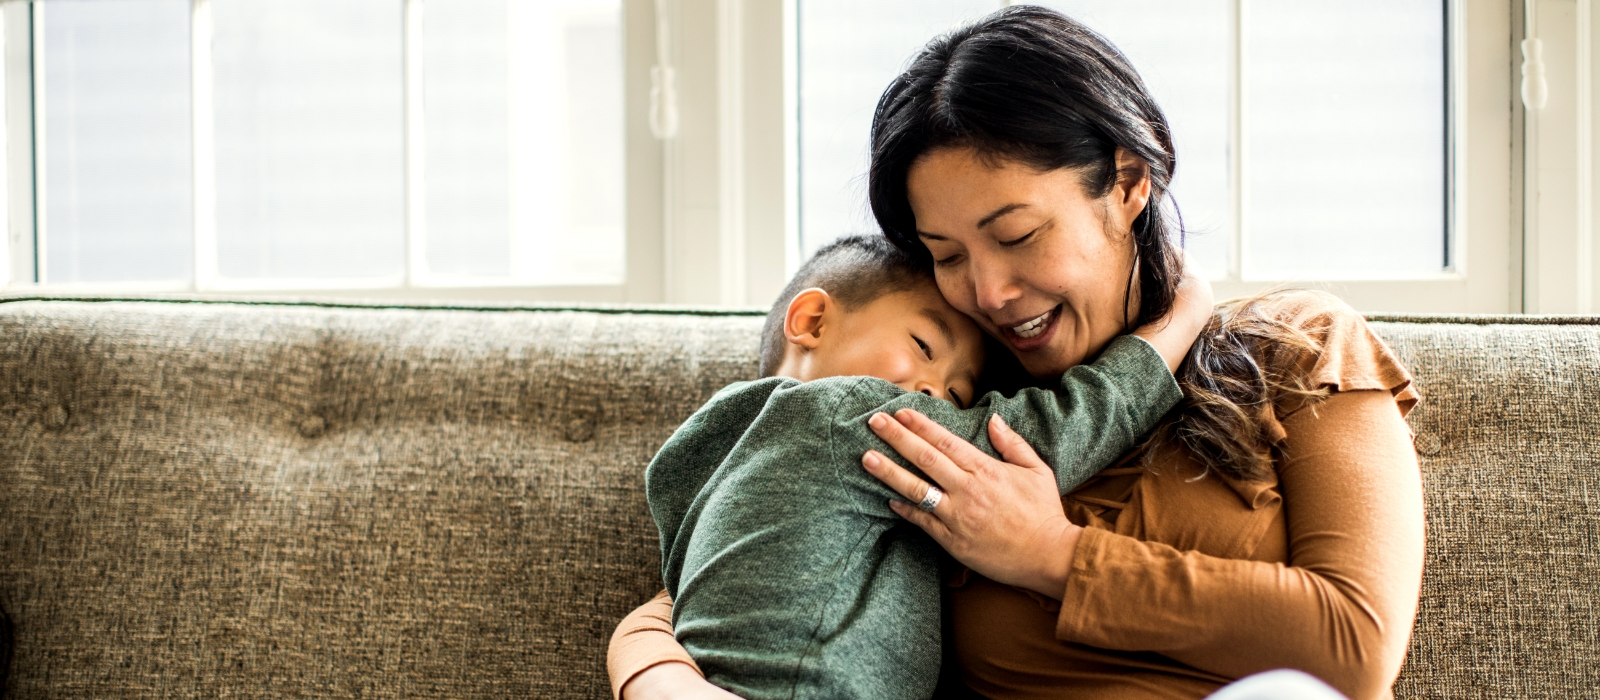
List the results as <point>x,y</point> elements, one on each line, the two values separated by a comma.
<point>1027,254</point>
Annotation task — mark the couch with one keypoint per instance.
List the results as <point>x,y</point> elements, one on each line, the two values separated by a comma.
<point>205,499</point>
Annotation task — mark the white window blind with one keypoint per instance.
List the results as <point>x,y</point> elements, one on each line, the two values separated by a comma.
<point>309,138</point>
<point>524,121</point>
<point>1311,136</point>
<point>1344,139</point>
<point>848,53</point>
<point>314,144</point>
<point>116,188</point>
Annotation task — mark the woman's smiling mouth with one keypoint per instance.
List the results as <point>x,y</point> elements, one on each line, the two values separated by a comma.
<point>1033,328</point>
<point>1034,332</point>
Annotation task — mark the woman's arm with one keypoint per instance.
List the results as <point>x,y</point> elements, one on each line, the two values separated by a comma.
<point>1341,609</point>
<point>646,662</point>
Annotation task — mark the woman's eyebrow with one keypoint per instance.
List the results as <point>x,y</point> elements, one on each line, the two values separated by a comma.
<point>1002,211</point>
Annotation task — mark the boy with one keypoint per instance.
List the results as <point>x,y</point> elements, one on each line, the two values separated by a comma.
<point>789,574</point>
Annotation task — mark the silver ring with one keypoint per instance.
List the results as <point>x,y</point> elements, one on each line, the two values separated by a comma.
<point>931,499</point>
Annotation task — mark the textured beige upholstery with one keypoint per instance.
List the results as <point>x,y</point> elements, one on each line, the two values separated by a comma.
<point>207,500</point>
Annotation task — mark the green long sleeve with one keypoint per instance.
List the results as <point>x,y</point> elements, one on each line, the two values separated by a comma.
<point>791,577</point>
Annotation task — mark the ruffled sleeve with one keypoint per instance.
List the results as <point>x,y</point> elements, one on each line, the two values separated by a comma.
<point>1342,351</point>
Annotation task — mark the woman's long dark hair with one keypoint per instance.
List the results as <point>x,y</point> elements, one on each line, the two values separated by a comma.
<point>1031,85</point>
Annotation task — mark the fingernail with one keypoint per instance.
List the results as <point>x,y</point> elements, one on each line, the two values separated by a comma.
<point>896,506</point>
<point>878,420</point>
<point>1001,422</point>
<point>870,460</point>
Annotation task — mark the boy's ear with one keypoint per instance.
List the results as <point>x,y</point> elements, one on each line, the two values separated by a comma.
<point>802,325</point>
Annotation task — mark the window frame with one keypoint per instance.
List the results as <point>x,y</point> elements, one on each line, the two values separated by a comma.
<point>1480,235</point>
<point>1556,157</point>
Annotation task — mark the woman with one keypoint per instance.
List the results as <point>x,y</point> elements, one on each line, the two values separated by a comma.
<point>1275,521</point>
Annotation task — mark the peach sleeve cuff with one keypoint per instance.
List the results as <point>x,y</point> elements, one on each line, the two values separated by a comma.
<point>644,639</point>
<point>1084,605</point>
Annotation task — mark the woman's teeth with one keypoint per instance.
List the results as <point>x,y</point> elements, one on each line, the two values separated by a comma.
<point>1034,327</point>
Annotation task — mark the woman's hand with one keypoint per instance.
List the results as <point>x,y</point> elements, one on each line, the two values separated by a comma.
<point>673,680</point>
<point>1001,519</point>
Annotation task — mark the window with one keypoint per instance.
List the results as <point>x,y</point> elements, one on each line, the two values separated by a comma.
<point>238,145</point>
<point>116,189</point>
<point>524,159</point>
<point>848,53</point>
<point>503,148</point>
<point>309,139</point>
<point>1286,114</point>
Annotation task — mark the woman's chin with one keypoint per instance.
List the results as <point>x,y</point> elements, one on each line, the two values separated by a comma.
<point>1049,371</point>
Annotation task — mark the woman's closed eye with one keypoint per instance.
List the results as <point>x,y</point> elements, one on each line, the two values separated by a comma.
<point>1024,238</point>
<point>956,397</point>
<point>926,351</point>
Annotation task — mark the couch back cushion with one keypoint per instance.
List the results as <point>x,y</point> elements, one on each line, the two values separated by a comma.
<point>209,500</point>
<point>269,500</point>
<point>1508,432</point>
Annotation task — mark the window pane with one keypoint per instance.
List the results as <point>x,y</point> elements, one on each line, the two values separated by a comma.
<point>116,148</point>
<point>1345,138</point>
<point>310,137</point>
<point>1183,50</point>
<point>849,51</point>
<point>467,115</point>
<point>524,131</point>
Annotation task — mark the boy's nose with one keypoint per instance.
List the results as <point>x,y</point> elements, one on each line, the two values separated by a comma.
<point>931,389</point>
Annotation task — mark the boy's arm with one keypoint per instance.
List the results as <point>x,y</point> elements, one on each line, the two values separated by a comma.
<point>1099,411</point>
<point>1104,409</point>
<point>680,469</point>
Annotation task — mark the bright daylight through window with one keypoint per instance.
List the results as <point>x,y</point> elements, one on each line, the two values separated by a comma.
<point>1322,104</point>
<point>486,146</point>
<point>277,140</point>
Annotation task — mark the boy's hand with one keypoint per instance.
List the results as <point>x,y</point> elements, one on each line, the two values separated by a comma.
<point>1173,334</point>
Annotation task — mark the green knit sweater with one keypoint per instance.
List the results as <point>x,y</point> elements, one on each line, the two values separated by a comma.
<point>790,576</point>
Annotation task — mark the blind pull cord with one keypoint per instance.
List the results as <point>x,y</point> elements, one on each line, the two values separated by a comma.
<point>663,82</point>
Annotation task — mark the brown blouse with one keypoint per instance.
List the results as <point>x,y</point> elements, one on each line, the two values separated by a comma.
<point>1185,580</point>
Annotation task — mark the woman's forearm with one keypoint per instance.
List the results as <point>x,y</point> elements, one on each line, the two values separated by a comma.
<point>1341,609</point>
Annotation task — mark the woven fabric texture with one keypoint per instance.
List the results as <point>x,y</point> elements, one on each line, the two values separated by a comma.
<point>1508,434</point>
<point>214,500</point>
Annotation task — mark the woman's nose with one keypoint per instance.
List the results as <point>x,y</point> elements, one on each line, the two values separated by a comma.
<point>992,283</point>
<point>931,389</point>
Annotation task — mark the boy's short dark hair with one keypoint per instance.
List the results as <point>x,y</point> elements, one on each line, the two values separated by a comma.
<point>854,270</point>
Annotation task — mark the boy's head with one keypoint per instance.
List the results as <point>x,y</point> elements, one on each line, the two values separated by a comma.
<point>862,307</point>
